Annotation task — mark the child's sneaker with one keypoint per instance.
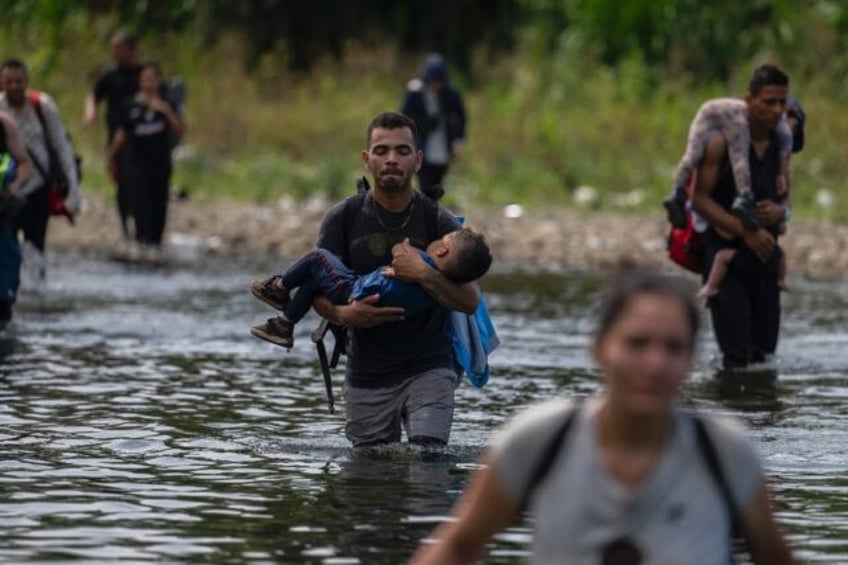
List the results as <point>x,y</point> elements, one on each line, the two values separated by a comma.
<point>278,331</point>
<point>270,293</point>
<point>675,208</point>
<point>743,208</point>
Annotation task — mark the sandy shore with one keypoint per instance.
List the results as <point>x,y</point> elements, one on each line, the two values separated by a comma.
<point>550,239</point>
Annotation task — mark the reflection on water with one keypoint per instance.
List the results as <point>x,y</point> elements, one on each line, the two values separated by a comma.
<point>140,422</point>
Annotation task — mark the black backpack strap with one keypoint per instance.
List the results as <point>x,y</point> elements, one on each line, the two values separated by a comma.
<point>710,455</point>
<point>352,207</point>
<point>549,456</point>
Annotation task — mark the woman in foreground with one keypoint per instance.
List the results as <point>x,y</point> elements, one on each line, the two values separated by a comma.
<point>627,477</point>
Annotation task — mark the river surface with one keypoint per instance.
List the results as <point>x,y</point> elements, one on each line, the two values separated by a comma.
<point>139,422</point>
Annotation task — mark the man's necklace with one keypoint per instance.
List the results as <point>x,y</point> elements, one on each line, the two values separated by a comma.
<point>380,221</point>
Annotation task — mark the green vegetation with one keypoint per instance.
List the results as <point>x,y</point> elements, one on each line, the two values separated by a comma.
<point>575,93</point>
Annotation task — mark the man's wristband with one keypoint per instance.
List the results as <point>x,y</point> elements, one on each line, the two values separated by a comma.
<point>787,213</point>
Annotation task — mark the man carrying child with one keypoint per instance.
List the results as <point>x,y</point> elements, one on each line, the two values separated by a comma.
<point>399,370</point>
<point>746,309</point>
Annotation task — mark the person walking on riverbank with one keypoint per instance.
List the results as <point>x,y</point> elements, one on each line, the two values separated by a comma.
<point>11,202</point>
<point>144,142</point>
<point>438,110</point>
<point>399,370</point>
<point>628,476</point>
<point>46,139</point>
<point>117,86</point>
<point>746,309</point>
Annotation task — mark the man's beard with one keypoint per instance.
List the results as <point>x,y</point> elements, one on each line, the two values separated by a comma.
<point>393,184</point>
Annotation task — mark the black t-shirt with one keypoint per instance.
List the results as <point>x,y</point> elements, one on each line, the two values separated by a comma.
<point>117,85</point>
<point>148,140</point>
<point>363,237</point>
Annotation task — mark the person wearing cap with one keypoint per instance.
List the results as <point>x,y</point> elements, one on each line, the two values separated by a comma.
<point>437,109</point>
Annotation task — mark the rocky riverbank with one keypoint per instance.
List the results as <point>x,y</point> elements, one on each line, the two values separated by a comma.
<point>549,239</point>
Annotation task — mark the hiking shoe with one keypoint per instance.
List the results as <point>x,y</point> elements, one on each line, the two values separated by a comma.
<point>268,292</point>
<point>743,208</point>
<point>278,331</point>
<point>675,208</point>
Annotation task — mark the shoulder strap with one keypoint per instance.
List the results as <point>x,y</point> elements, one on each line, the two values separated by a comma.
<point>710,455</point>
<point>352,207</point>
<point>34,98</point>
<point>549,456</point>
<point>432,207</point>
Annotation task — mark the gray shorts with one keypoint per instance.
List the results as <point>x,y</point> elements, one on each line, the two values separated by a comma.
<point>423,405</point>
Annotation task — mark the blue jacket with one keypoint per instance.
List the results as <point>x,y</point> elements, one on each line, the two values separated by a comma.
<point>473,337</point>
<point>393,292</point>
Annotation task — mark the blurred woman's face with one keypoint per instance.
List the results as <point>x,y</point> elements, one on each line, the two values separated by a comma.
<point>646,354</point>
<point>149,80</point>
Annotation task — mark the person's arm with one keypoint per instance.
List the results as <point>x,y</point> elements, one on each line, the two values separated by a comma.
<point>761,531</point>
<point>115,147</point>
<point>484,509</point>
<point>93,99</point>
<point>461,130</point>
<point>771,213</point>
<point>89,115</point>
<point>175,123</point>
<point>409,266</point>
<point>17,149</point>
<point>358,313</point>
<point>759,241</point>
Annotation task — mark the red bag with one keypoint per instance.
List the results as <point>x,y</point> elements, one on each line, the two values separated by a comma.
<point>686,248</point>
<point>56,204</point>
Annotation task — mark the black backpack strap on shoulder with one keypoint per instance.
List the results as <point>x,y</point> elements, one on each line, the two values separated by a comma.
<point>352,206</point>
<point>708,451</point>
<point>710,455</point>
<point>549,456</point>
<point>432,208</point>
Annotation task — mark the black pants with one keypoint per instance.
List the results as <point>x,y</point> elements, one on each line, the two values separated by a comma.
<point>123,197</point>
<point>33,217</point>
<point>746,310</point>
<point>149,202</point>
<point>430,175</point>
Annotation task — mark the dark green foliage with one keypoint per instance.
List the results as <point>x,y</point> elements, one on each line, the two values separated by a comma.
<point>700,40</point>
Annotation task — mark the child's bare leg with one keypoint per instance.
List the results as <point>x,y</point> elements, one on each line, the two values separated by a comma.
<point>737,134</point>
<point>721,262</point>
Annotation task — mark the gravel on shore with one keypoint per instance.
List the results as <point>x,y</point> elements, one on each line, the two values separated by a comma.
<point>551,239</point>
